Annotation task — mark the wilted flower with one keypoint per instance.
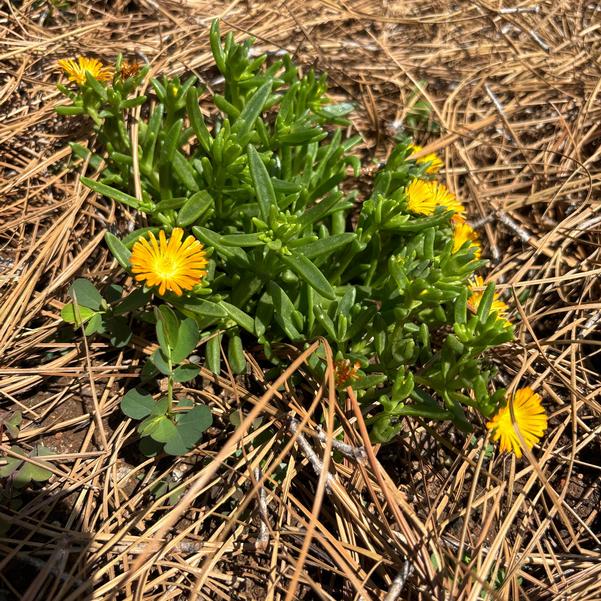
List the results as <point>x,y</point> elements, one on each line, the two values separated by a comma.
<point>129,69</point>
<point>345,372</point>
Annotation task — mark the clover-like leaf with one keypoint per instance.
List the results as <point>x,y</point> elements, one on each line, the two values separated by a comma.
<point>149,447</point>
<point>137,404</point>
<point>187,339</point>
<point>118,331</point>
<point>160,362</point>
<point>185,373</point>
<point>76,315</point>
<point>189,425</point>
<point>85,294</point>
<point>158,427</point>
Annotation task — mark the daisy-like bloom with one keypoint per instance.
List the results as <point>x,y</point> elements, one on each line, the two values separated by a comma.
<point>169,264</point>
<point>530,420</point>
<point>497,306</point>
<point>77,70</point>
<point>345,372</point>
<point>129,69</point>
<point>435,162</point>
<point>424,196</point>
<point>462,233</point>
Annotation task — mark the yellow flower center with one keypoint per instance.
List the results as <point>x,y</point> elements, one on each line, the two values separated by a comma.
<point>166,267</point>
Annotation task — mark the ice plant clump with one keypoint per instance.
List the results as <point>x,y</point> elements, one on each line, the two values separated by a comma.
<point>77,70</point>
<point>297,253</point>
<point>423,197</point>
<point>530,420</point>
<point>169,264</point>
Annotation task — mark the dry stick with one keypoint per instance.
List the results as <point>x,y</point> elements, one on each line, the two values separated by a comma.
<point>338,556</point>
<point>395,590</point>
<point>323,477</point>
<point>401,521</point>
<point>263,538</point>
<point>466,520</point>
<point>558,501</point>
<point>97,409</point>
<point>212,468</point>
<point>357,453</point>
<point>310,454</point>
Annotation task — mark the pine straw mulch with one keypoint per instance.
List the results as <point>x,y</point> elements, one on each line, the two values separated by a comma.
<point>266,510</point>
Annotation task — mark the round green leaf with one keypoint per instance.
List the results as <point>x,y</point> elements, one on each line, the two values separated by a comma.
<point>185,373</point>
<point>163,429</point>
<point>189,428</point>
<point>187,339</point>
<point>85,294</point>
<point>149,447</point>
<point>137,404</point>
<point>76,316</point>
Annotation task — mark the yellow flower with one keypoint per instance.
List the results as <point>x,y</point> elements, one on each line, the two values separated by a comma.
<point>462,233</point>
<point>424,196</point>
<point>497,306</point>
<point>530,420</point>
<point>435,162</point>
<point>77,70</point>
<point>169,264</point>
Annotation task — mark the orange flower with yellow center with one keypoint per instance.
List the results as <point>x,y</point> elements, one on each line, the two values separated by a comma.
<point>530,421</point>
<point>497,306</point>
<point>169,264</point>
<point>77,70</point>
<point>423,197</point>
<point>435,163</point>
<point>462,233</point>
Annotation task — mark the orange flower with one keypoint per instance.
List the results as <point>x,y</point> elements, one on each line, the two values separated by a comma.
<point>169,264</point>
<point>530,421</point>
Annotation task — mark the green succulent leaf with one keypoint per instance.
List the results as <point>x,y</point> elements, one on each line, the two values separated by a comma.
<point>109,192</point>
<point>118,250</point>
<point>307,270</point>
<point>262,182</point>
